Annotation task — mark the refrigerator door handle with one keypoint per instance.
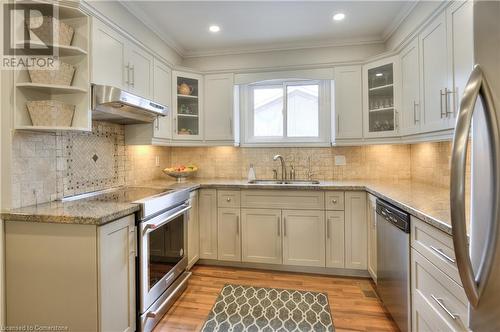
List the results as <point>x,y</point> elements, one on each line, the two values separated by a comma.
<point>476,86</point>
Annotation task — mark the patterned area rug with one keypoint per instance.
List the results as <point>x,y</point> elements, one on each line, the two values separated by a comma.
<point>253,309</point>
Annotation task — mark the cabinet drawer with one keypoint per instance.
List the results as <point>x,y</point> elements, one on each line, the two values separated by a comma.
<point>334,200</point>
<point>436,246</point>
<point>283,199</point>
<point>441,293</point>
<point>228,198</point>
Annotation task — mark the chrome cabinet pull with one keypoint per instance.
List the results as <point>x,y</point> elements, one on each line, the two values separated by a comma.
<point>441,104</point>
<point>228,199</point>
<point>284,226</point>
<point>328,228</point>
<point>237,225</point>
<point>127,67</point>
<point>415,120</point>
<point>441,304</point>
<point>447,93</point>
<point>441,253</point>
<point>132,81</point>
<point>476,86</point>
<point>279,226</point>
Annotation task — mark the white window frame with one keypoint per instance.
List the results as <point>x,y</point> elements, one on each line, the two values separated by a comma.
<point>324,104</point>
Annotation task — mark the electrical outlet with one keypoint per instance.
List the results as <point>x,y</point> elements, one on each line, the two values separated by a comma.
<point>340,161</point>
<point>157,161</point>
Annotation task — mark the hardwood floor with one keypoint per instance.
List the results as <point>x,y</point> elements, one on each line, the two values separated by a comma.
<point>353,302</point>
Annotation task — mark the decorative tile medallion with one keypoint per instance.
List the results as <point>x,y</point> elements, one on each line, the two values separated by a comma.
<point>253,309</point>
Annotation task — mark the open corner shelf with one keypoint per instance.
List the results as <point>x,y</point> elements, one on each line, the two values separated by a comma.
<point>61,49</point>
<point>52,129</point>
<point>51,88</point>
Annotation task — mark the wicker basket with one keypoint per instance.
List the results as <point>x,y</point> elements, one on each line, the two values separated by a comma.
<point>52,113</point>
<point>63,75</point>
<point>50,30</point>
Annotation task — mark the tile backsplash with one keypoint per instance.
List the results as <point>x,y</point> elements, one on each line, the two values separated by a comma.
<point>48,166</point>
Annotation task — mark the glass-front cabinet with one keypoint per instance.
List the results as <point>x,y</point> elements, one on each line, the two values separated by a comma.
<point>187,106</point>
<point>381,98</point>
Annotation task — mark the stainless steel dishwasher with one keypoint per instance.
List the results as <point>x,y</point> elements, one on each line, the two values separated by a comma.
<point>393,262</point>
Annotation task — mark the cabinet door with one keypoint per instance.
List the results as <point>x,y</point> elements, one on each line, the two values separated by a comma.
<point>434,79</point>
<point>372,236</point>
<point>219,107</point>
<point>460,52</point>
<point>207,205</point>
<point>162,93</point>
<point>229,238</point>
<point>335,239</point>
<point>304,238</point>
<point>381,98</point>
<point>140,69</point>
<point>117,252</point>
<point>193,231</point>
<point>348,103</point>
<point>187,106</point>
<point>355,230</point>
<point>261,236</point>
<point>410,89</point>
<point>108,56</point>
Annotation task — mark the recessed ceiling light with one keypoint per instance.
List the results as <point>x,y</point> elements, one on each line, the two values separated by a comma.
<point>379,74</point>
<point>214,28</point>
<point>338,17</point>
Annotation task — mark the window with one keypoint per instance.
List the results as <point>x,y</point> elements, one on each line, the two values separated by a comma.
<point>287,111</point>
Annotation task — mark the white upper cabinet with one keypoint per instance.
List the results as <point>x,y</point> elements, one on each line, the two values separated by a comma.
<point>434,74</point>
<point>381,97</point>
<point>410,89</point>
<point>162,93</point>
<point>187,106</point>
<point>219,101</point>
<point>348,96</point>
<point>108,56</point>
<point>459,20</point>
<point>139,71</point>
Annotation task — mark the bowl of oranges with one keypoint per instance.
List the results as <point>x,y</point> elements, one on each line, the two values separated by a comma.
<point>181,172</point>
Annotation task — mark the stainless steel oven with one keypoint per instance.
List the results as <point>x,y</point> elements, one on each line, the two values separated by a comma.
<point>162,263</point>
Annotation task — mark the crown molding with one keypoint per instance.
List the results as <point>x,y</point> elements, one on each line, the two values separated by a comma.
<point>136,11</point>
<point>399,19</point>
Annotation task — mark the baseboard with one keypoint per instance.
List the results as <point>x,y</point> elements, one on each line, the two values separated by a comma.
<point>289,268</point>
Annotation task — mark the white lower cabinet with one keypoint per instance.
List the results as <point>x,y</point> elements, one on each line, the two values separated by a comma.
<point>261,236</point>
<point>193,227</point>
<point>355,230</point>
<point>303,237</point>
<point>372,235</point>
<point>335,239</point>
<point>228,234</point>
<point>117,251</point>
<point>207,205</point>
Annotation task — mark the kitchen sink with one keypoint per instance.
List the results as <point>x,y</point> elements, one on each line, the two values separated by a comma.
<point>283,182</point>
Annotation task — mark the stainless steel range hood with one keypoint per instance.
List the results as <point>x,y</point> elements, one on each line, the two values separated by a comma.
<point>116,105</point>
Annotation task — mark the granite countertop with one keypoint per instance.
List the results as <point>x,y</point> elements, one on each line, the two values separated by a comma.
<point>424,201</point>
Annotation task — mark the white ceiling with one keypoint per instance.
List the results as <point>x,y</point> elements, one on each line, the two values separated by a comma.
<point>267,25</point>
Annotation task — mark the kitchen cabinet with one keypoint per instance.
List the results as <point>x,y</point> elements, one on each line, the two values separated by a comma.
<point>434,75</point>
<point>160,131</point>
<point>193,227</point>
<point>381,98</point>
<point>410,89</point>
<point>207,207</point>
<point>303,237</point>
<point>228,234</point>
<point>117,252</point>
<point>459,20</point>
<point>335,239</point>
<point>109,50</point>
<point>218,110</point>
<point>261,236</point>
<point>187,106</point>
<point>348,97</point>
<point>355,230</point>
<point>85,275</point>
<point>372,235</point>
<point>119,62</point>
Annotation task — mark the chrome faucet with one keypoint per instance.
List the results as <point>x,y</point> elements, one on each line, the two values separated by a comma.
<point>283,167</point>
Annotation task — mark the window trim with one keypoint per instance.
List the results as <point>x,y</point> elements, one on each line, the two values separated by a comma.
<point>324,111</point>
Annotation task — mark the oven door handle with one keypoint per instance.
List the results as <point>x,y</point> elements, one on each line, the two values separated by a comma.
<point>152,227</point>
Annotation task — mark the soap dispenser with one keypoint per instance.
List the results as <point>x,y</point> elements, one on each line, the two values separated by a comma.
<point>251,173</point>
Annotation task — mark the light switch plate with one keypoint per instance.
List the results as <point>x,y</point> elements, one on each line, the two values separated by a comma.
<point>340,161</point>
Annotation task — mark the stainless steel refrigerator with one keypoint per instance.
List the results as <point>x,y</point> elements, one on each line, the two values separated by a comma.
<point>478,254</point>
